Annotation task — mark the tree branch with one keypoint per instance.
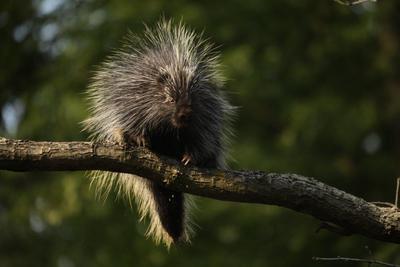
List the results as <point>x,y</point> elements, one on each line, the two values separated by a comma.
<point>292,191</point>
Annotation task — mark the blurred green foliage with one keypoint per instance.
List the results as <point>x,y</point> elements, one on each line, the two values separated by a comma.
<point>318,88</point>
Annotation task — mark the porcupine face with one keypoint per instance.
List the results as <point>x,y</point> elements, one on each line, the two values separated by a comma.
<point>177,97</point>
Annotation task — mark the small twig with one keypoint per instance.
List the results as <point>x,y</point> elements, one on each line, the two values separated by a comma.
<point>356,260</point>
<point>396,202</point>
<point>352,3</point>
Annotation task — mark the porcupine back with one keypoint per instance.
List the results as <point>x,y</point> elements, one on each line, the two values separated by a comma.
<point>162,87</point>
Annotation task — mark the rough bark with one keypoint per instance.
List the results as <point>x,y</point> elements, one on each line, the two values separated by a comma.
<point>292,191</point>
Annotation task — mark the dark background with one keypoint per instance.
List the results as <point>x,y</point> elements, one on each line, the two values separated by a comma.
<point>318,88</point>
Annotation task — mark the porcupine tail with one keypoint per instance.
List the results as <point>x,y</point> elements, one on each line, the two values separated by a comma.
<point>166,210</point>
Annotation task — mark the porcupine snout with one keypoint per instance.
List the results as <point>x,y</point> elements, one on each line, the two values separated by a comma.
<point>182,114</point>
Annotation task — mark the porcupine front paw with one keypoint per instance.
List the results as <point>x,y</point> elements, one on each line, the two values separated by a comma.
<point>119,136</point>
<point>137,140</point>
<point>123,138</point>
<point>140,140</point>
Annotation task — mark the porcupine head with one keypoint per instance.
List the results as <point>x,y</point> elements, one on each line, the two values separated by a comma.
<point>161,90</point>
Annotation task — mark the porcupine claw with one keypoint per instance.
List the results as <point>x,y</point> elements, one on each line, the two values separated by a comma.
<point>186,159</point>
<point>140,141</point>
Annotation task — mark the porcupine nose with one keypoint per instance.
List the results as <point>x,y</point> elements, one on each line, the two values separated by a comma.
<point>182,116</point>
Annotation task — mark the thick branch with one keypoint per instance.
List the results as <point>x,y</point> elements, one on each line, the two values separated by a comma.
<point>293,191</point>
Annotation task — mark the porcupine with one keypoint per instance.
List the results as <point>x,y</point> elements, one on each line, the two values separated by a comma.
<point>161,90</point>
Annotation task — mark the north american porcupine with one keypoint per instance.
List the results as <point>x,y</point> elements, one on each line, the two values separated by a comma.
<point>162,90</point>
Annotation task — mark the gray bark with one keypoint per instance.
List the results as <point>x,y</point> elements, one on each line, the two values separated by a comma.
<point>306,195</point>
